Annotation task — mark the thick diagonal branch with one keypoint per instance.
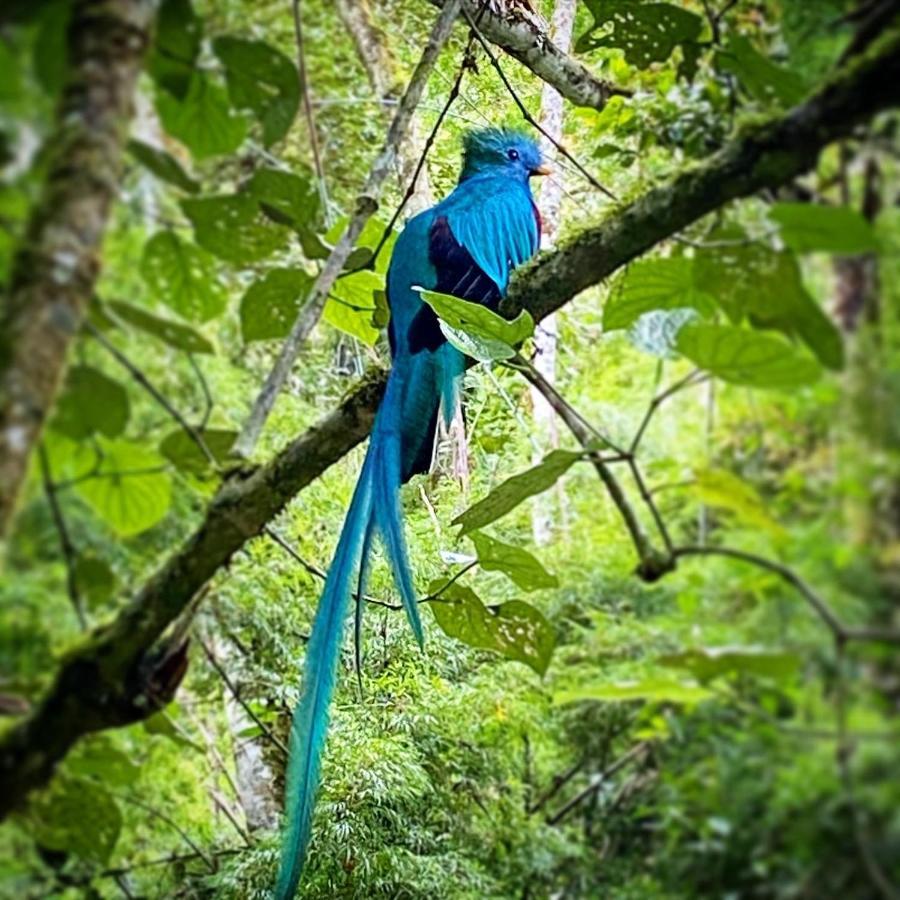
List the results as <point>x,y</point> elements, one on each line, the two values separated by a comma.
<point>56,268</point>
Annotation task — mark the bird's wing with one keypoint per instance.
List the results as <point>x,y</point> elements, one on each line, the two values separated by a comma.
<point>473,245</point>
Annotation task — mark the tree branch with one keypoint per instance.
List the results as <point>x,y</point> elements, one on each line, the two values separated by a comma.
<point>55,270</point>
<point>525,38</point>
<point>366,206</point>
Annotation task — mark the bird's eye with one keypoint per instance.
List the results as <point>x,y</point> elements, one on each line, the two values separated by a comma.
<point>512,153</point>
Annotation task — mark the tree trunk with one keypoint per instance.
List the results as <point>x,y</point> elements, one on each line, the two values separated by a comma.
<point>56,268</point>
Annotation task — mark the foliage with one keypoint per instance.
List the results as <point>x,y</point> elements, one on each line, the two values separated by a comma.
<point>570,730</point>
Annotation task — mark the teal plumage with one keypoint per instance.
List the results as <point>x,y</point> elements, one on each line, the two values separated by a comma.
<point>467,245</point>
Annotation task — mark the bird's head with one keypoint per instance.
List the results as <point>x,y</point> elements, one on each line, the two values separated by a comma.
<point>501,151</point>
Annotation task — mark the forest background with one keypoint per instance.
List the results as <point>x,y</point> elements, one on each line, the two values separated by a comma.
<point>661,553</point>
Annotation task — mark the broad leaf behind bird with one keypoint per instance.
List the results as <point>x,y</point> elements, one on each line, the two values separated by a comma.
<point>466,246</point>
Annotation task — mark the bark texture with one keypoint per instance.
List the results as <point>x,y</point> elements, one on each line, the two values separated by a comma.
<point>56,268</point>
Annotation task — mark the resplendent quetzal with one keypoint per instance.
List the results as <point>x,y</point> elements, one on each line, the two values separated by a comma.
<point>466,246</point>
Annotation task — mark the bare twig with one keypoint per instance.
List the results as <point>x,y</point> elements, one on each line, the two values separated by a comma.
<point>70,554</point>
<point>692,378</point>
<point>366,205</point>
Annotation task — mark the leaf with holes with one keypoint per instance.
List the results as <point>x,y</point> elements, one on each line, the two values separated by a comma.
<point>808,227</point>
<point>270,306</point>
<point>510,493</point>
<point>57,819</point>
<point>765,81</point>
<point>184,453</point>
<point>746,357</point>
<point>91,403</point>
<point>654,284</point>
<point>202,119</point>
<point>263,80</point>
<point>352,306</point>
<point>518,564</point>
<point>129,491</point>
<point>646,32</point>
<point>163,165</point>
<point>707,663</point>
<point>234,228</point>
<point>514,629</point>
<point>175,334</point>
<point>183,277</point>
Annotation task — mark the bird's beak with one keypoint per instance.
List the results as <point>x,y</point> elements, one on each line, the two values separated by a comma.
<point>542,169</point>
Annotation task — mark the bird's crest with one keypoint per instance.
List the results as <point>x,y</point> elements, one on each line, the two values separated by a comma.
<point>501,149</point>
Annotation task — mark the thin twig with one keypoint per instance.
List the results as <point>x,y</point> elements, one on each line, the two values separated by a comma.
<point>692,378</point>
<point>193,433</point>
<point>366,206</point>
<point>208,402</point>
<point>166,861</point>
<point>308,111</point>
<point>70,554</point>
<point>526,114</point>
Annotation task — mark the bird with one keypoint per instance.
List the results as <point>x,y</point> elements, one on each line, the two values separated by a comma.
<point>466,246</point>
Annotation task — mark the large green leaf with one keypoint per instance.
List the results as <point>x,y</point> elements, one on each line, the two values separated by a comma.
<point>521,567</point>
<point>288,197</point>
<point>489,336</point>
<point>163,165</point>
<point>651,690</point>
<point>91,403</point>
<point>654,284</point>
<point>177,38</point>
<point>270,306</point>
<point>831,229</point>
<point>98,758</point>
<point>95,579</point>
<point>514,629</point>
<point>514,490</point>
<point>646,32</point>
<point>76,816</point>
<point>351,306</point>
<point>263,80</point>
<point>185,454</point>
<point>234,228</point>
<point>183,277</point>
<point>175,334</point>
<point>202,120</point>
<point>707,663</point>
<point>128,491</point>
<point>724,490</point>
<point>746,357</point>
<point>762,79</point>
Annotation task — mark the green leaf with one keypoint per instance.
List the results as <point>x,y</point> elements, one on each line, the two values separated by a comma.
<point>91,403</point>
<point>98,758</point>
<point>202,120</point>
<point>491,336</point>
<point>746,357</point>
<point>181,337</point>
<point>763,80</point>
<point>707,663</point>
<point>270,306</point>
<point>128,492</point>
<point>514,629</point>
<point>521,567</point>
<point>164,725</point>
<point>51,47</point>
<point>656,332</point>
<point>652,690</point>
<point>647,32</point>
<point>654,284</point>
<point>724,490</point>
<point>262,80</point>
<point>177,38</point>
<point>370,237</point>
<point>76,816</point>
<point>234,228</point>
<point>291,196</point>
<point>351,306</point>
<point>95,579</point>
<point>183,277</point>
<point>808,227</point>
<point>508,495</point>
<point>182,451</point>
<point>163,165</point>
